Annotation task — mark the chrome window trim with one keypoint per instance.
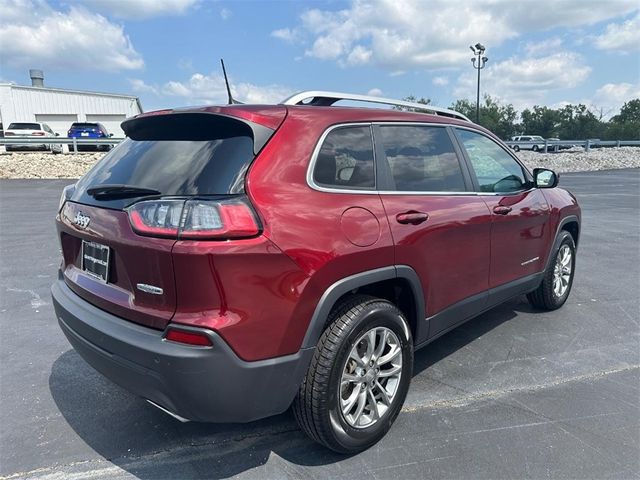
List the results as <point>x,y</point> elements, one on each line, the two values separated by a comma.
<point>316,151</point>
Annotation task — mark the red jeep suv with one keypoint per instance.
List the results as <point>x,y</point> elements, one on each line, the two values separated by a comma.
<point>227,262</point>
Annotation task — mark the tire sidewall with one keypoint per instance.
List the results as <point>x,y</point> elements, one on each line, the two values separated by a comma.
<point>379,314</point>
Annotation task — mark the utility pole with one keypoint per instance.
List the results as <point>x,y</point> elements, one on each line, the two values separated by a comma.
<point>478,64</point>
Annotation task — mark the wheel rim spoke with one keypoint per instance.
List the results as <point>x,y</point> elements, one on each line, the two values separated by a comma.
<point>347,405</point>
<point>362,402</point>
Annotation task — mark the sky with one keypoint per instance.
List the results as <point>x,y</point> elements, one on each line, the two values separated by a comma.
<point>542,52</point>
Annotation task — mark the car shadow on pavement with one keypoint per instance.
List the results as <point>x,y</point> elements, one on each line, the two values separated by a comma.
<point>147,443</point>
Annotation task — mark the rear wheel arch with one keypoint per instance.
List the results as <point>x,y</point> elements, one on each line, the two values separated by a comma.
<point>398,284</point>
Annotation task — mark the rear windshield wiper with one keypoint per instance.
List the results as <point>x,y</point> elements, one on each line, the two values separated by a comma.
<point>105,192</point>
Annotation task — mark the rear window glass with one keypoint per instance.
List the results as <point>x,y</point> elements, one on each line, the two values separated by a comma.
<point>24,126</point>
<point>176,167</point>
<point>346,159</point>
<point>84,125</point>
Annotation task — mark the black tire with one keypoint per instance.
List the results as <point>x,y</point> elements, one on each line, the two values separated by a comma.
<point>544,296</point>
<point>516,148</point>
<point>316,407</point>
<point>535,148</point>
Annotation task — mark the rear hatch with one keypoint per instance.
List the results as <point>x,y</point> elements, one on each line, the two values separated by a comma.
<point>170,159</point>
<point>24,130</point>
<point>89,130</point>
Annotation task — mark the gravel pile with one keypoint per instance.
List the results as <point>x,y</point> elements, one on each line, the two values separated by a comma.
<point>48,165</point>
<point>578,160</point>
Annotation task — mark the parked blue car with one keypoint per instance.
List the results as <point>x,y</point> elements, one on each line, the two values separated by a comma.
<point>89,130</point>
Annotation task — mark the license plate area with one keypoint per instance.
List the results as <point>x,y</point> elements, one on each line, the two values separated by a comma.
<point>95,260</point>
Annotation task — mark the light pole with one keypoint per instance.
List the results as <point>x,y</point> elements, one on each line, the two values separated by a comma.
<point>478,64</point>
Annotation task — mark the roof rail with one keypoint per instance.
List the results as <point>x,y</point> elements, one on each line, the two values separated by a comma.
<point>325,99</point>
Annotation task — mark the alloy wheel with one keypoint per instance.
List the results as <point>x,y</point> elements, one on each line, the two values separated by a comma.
<point>370,377</point>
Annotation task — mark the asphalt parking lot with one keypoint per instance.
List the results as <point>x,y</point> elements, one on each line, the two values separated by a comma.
<point>512,394</point>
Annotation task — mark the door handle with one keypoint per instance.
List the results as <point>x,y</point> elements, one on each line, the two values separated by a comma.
<point>413,218</point>
<point>501,210</point>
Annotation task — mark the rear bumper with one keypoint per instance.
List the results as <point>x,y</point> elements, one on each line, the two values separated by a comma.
<point>196,383</point>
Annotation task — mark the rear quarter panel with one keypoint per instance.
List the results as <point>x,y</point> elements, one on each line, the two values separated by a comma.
<point>305,224</point>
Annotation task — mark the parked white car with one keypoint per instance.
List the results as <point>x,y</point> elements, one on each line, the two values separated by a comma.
<point>530,146</point>
<point>31,130</point>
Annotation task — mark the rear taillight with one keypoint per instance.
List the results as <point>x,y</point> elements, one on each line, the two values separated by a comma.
<point>194,219</point>
<point>38,134</point>
<point>8,134</point>
<point>66,195</point>
<point>199,339</point>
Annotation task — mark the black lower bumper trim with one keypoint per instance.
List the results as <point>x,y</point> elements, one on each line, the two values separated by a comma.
<point>209,384</point>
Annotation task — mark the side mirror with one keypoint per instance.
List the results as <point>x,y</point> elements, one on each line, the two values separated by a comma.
<point>57,134</point>
<point>545,178</point>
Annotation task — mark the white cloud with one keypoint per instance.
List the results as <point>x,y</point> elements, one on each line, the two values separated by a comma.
<point>211,89</point>
<point>440,81</point>
<point>226,14</point>
<point>621,37</point>
<point>141,9</point>
<point>526,82</point>
<point>610,97</point>
<point>139,86</point>
<point>34,34</point>
<point>544,47</point>
<point>409,34</point>
<point>375,92</point>
<point>359,56</point>
<point>289,35</point>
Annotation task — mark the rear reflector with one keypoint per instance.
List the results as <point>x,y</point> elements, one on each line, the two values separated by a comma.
<point>194,219</point>
<point>189,338</point>
<point>38,134</point>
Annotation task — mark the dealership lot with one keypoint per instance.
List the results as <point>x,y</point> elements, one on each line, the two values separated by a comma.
<point>512,394</point>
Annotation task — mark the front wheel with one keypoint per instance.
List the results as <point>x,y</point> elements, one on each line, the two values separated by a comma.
<point>516,148</point>
<point>558,278</point>
<point>359,376</point>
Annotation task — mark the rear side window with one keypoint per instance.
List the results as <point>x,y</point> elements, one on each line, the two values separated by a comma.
<point>24,126</point>
<point>345,159</point>
<point>422,159</point>
<point>495,169</point>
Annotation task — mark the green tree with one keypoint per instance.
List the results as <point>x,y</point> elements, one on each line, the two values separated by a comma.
<point>413,99</point>
<point>625,125</point>
<point>576,122</point>
<point>541,121</point>
<point>495,116</point>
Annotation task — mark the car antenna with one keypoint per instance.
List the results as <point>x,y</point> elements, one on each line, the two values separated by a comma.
<point>226,81</point>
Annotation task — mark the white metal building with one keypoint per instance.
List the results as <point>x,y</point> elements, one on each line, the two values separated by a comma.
<point>59,108</point>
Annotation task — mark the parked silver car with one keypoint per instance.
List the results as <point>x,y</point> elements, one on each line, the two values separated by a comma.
<point>539,145</point>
